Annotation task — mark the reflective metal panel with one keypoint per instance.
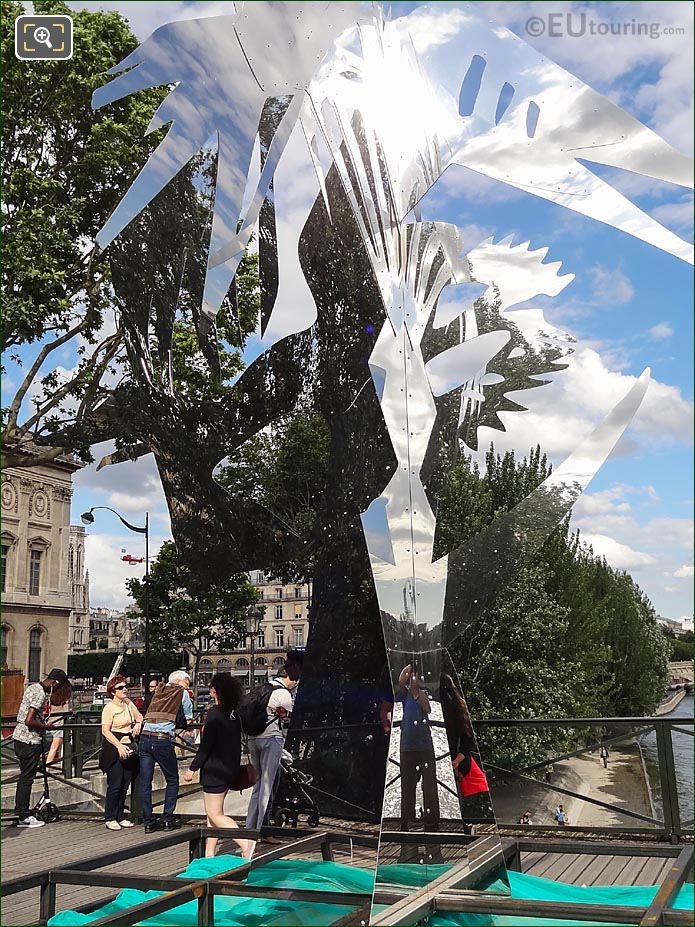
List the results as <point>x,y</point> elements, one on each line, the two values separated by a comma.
<point>403,335</point>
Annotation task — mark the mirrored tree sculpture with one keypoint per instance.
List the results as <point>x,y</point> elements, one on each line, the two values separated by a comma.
<point>304,136</point>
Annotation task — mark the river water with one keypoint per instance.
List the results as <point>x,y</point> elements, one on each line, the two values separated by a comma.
<point>683,756</point>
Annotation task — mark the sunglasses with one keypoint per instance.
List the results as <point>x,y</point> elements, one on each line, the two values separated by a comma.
<point>120,687</point>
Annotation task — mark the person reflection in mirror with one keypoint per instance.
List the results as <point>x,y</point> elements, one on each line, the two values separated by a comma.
<point>459,732</point>
<point>416,756</point>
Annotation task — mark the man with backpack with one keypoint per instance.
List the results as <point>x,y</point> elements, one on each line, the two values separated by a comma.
<point>168,708</point>
<point>265,716</point>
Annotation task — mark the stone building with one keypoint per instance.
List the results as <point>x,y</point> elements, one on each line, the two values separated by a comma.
<point>78,579</point>
<point>284,626</point>
<point>36,589</point>
<point>115,629</point>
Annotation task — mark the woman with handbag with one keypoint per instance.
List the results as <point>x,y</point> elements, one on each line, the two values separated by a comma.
<point>462,745</point>
<point>219,755</point>
<point>120,725</point>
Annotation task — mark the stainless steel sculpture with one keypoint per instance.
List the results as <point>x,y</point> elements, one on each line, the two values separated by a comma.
<point>371,112</point>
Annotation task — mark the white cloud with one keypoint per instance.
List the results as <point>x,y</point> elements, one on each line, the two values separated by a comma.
<point>611,285</point>
<point>661,331</point>
<point>561,414</point>
<point>684,572</point>
<point>107,572</point>
<point>128,503</point>
<point>618,555</point>
<point>599,503</point>
<point>677,216</point>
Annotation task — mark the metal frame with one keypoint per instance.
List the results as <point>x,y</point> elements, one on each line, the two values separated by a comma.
<point>446,893</point>
<point>178,891</point>
<point>407,908</point>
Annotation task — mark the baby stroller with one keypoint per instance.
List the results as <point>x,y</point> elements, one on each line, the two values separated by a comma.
<point>292,798</point>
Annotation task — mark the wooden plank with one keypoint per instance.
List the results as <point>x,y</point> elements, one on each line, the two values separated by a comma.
<point>550,910</point>
<point>666,895</point>
<point>611,872</point>
<point>529,860</point>
<point>574,874</point>
<point>556,872</point>
<point>541,867</point>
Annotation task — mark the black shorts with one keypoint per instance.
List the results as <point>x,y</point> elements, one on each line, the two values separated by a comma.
<point>212,785</point>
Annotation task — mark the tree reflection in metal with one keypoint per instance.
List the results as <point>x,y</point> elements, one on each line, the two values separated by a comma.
<point>313,106</point>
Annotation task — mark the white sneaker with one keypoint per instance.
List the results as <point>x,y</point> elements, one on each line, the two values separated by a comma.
<point>113,825</point>
<point>126,823</point>
<point>30,821</point>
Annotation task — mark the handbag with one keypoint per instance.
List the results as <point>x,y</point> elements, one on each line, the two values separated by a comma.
<point>245,777</point>
<point>133,746</point>
<point>474,781</point>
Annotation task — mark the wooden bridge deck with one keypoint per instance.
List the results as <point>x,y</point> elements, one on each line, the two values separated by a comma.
<point>58,845</point>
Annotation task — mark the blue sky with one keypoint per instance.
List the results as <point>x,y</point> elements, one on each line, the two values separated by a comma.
<point>630,306</point>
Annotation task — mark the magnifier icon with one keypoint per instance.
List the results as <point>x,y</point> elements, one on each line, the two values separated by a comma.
<point>43,35</point>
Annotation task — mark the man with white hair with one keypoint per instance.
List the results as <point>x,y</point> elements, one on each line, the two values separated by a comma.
<point>157,747</point>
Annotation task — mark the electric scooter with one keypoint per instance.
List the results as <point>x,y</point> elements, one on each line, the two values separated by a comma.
<point>46,810</point>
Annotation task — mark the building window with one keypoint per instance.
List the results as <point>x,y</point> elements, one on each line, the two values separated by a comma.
<point>298,637</point>
<point>34,655</point>
<point>279,661</point>
<point>279,637</point>
<point>5,555</point>
<point>297,592</point>
<point>260,640</point>
<point>278,612</point>
<point>278,592</point>
<point>3,646</point>
<point>260,594</point>
<point>34,572</point>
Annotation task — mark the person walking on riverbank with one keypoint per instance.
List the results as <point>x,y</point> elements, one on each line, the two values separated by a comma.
<point>603,753</point>
<point>561,816</point>
<point>219,754</point>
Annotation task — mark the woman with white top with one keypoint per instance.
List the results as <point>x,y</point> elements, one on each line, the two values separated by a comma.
<point>120,724</point>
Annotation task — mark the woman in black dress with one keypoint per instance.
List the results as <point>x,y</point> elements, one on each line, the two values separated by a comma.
<point>219,754</point>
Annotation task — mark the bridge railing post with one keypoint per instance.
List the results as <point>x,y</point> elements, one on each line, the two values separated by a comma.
<point>669,783</point>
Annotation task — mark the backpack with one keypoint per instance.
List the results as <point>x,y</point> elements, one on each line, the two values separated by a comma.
<point>165,703</point>
<point>253,711</point>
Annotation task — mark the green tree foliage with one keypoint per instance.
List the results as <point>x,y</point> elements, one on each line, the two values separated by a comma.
<point>184,616</point>
<point>569,637</point>
<point>65,168</point>
<point>680,645</point>
<point>284,469</point>
<point>98,666</point>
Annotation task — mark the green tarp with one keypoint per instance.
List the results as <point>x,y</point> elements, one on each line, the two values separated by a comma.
<point>327,876</point>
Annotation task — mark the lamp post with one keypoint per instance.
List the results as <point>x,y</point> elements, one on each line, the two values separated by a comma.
<point>253,617</point>
<point>88,519</point>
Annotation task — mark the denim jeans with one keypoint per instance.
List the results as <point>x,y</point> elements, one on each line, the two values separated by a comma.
<point>265,756</point>
<point>157,750</point>
<point>118,778</point>
<point>29,756</point>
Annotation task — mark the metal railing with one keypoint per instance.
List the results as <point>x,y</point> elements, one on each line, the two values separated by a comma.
<point>82,742</point>
<point>592,733</point>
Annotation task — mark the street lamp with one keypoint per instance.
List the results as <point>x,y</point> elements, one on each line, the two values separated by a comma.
<point>253,616</point>
<point>88,519</point>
